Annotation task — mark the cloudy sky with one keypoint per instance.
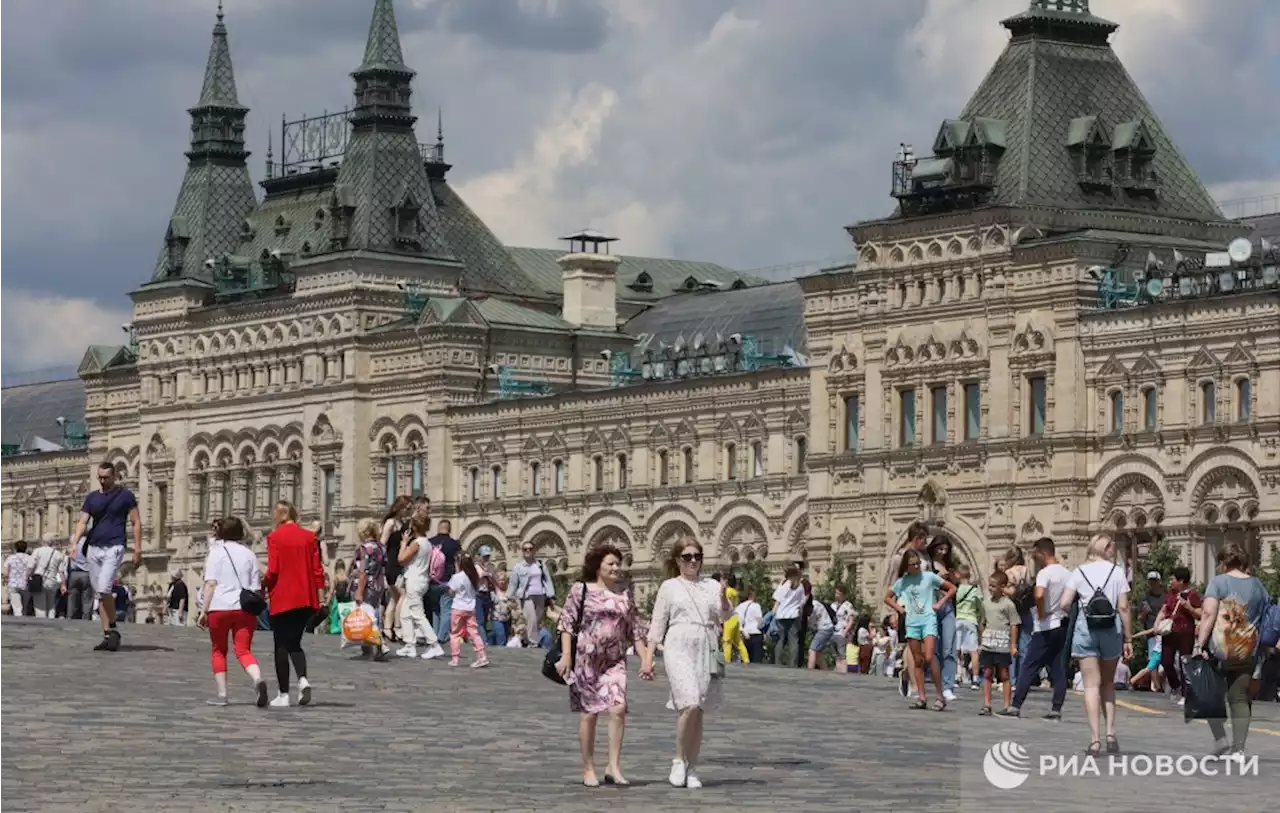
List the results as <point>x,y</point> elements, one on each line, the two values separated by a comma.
<point>746,132</point>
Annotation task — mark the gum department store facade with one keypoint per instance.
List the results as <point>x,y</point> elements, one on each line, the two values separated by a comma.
<point>359,333</point>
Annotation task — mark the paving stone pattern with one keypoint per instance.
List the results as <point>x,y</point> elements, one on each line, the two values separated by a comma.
<point>92,731</point>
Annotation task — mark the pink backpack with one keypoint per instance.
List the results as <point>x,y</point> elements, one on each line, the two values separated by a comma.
<point>435,564</point>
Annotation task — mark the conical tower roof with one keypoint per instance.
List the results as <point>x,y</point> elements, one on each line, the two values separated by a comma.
<point>216,192</point>
<point>1057,85</point>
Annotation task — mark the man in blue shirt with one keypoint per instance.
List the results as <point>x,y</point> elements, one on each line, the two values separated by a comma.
<point>110,509</point>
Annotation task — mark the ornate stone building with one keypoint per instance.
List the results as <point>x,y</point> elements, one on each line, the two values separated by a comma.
<point>1033,344</point>
<point>359,333</point>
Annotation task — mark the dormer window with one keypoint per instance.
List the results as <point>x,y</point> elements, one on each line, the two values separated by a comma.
<point>643,283</point>
<point>406,218</point>
<point>690,284</point>
<point>247,232</point>
<point>282,225</point>
<point>176,239</point>
<point>737,285</point>
<point>1090,154</point>
<point>1133,152</point>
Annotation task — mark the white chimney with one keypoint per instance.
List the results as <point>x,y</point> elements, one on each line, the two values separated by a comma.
<point>590,278</point>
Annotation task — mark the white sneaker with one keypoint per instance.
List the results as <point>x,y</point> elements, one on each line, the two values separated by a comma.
<point>691,781</point>
<point>1182,701</point>
<point>433,651</point>
<point>407,651</point>
<point>949,695</point>
<point>281,701</point>
<point>304,692</point>
<point>678,775</point>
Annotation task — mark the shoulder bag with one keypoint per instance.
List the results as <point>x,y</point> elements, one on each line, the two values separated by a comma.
<point>251,601</point>
<point>717,657</point>
<point>553,654</point>
<point>35,583</point>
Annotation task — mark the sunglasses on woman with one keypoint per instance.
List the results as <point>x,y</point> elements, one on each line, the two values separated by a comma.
<point>691,557</point>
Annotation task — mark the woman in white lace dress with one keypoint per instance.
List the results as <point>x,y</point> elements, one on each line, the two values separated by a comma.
<point>686,621</point>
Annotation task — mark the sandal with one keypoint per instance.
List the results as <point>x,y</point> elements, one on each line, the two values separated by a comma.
<point>939,705</point>
<point>1113,745</point>
<point>919,704</point>
<point>1094,749</point>
<point>986,712</point>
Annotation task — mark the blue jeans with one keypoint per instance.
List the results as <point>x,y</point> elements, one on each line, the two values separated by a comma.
<point>482,612</point>
<point>443,619</point>
<point>789,637</point>
<point>499,635</point>
<point>1026,627</point>
<point>947,645</point>
<point>1045,650</point>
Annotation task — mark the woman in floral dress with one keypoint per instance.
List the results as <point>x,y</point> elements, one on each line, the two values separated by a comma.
<point>597,678</point>
<point>686,621</point>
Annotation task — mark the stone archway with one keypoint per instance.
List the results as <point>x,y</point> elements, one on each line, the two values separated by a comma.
<point>743,540</point>
<point>497,555</point>
<point>551,549</point>
<point>666,537</point>
<point>1224,504</point>
<point>615,536</point>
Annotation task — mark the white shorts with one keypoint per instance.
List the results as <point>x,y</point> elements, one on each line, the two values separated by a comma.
<point>103,564</point>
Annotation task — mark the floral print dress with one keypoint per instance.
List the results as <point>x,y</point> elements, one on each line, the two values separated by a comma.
<point>598,681</point>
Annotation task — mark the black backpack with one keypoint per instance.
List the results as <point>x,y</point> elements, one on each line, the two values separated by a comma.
<point>1024,597</point>
<point>831,611</point>
<point>1099,612</point>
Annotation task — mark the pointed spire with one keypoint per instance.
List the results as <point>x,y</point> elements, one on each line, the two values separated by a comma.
<point>382,50</point>
<point>439,134</point>
<point>219,87</point>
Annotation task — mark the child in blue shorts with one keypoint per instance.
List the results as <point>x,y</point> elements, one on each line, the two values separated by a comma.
<point>915,595</point>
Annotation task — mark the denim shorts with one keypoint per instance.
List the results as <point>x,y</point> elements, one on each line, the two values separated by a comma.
<point>825,638</point>
<point>966,636</point>
<point>920,627</point>
<point>1104,644</point>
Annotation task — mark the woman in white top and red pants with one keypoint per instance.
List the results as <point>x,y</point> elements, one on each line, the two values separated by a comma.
<point>229,568</point>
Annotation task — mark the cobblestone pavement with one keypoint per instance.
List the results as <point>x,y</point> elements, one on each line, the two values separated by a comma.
<point>92,731</point>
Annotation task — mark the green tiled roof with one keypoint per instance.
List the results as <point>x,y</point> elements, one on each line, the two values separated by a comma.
<point>502,312</point>
<point>490,266</point>
<point>32,411</point>
<point>1057,70</point>
<point>666,276</point>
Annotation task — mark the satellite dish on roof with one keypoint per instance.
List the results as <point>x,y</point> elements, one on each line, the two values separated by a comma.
<point>1240,250</point>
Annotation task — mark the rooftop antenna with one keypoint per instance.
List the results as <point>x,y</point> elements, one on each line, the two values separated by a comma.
<point>439,134</point>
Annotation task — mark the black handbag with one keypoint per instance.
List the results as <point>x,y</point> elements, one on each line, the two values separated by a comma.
<point>251,601</point>
<point>553,654</point>
<point>35,582</point>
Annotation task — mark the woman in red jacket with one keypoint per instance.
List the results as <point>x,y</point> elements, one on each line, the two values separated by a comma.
<point>294,582</point>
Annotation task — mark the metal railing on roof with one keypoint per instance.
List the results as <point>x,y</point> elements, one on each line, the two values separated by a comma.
<point>1251,207</point>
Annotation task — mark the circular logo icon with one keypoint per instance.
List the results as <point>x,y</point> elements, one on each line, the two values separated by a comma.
<point>1006,765</point>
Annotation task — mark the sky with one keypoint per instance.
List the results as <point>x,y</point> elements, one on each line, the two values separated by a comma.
<point>744,132</point>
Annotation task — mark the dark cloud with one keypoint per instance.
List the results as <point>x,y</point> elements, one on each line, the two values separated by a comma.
<point>567,26</point>
<point>747,132</point>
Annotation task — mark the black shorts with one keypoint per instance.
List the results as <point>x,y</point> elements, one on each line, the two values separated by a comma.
<point>996,660</point>
<point>902,629</point>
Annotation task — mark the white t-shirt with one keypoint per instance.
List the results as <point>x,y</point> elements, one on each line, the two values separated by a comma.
<point>790,600</point>
<point>464,594</point>
<point>819,618</point>
<point>749,617</point>
<point>1054,580</point>
<point>1101,574</point>
<point>233,567</point>
<point>845,616</point>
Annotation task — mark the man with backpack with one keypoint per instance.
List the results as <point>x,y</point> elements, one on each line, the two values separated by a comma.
<point>1050,636</point>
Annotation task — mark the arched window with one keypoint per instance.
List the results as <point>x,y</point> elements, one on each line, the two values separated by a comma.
<point>250,494</point>
<point>39,523</point>
<point>622,472</point>
<point>1208,405</point>
<point>558,470</point>
<point>22,524</point>
<point>1149,409</point>
<point>1244,392</point>
<point>597,475</point>
<point>1117,412</point>
<point>802,449</point>
<point>495,482</point>
<point>391,480</point>
<point>731,461</point>
<point>757,459</point>
<point>535,478</point>
<point>475,484</point>
<point>688,464</point>
<point>663,468</point>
